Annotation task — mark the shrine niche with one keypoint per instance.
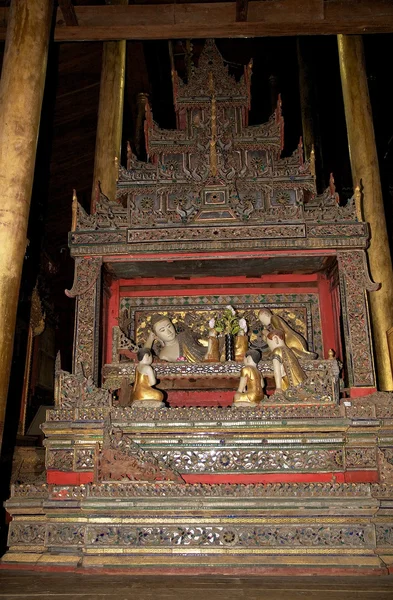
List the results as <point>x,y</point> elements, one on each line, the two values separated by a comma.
<point>152,449</point>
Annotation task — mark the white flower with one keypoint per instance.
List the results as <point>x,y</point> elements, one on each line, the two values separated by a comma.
<point>243,325</point>
<point>229,307</point>
<point>212,323</point>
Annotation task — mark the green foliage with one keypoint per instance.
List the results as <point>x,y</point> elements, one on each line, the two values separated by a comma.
<point>227,323</point>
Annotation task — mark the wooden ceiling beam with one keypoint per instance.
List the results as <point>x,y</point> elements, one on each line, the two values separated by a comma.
<point>203,20</point>
<point>241,10</point>
<point>67,9</point>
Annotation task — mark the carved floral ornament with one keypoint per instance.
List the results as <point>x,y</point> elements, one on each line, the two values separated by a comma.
<point>322,535</point>
<point>248,184</point>
<point>87,270</point>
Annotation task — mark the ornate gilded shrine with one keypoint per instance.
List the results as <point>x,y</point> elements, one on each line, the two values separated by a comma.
<point>216,219</point>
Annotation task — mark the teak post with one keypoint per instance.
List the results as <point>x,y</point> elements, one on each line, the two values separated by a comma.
<point>21,92</point>
<point>309,105</point>
<point>364,164</point>
<point>110,117</point>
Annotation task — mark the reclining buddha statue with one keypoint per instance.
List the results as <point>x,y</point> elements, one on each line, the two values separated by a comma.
<point>174,346</point>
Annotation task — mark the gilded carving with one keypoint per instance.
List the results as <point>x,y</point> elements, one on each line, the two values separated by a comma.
<point>85,459</point>
<point>121,458</point>
<point>385,460</point>
<point>21,534</point>
<point>250,461</point>
<point>65,535</point>
<point>60,460</point>
<point>77,391</point>
<point>212,233</point>
<point>87,270</point>
<point>354,282</point>
<point>166,536</point>
<point>170,489</point>
<point>361,458</point>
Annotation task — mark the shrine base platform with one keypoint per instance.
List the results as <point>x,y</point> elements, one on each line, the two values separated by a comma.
<point>200,529</point>
<point>284,489</point>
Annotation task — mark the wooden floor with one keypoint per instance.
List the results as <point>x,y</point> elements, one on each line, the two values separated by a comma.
<point>66,586</point>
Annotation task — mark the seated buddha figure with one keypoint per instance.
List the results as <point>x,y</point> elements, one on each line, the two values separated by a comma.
<point>287,370</point>
<point>293,340</point>
<point>174,346</point>
<point>250,390</point>
<point>143,390</point>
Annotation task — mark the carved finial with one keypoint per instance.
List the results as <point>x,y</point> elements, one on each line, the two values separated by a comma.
<point>57,387</point>
<point>188,59</point>
<point>117,168</point>
<point>148,125</point>
<point>247,78</point>
<point>37,314</point>
<point>278,108</point>
<point>332,189</point>
<point>300,151</point>
<point>58,363</point>
<point>279,119</point>
<point>129,155</point>
<point>312,161</point>
<point>358,202</point>
<point>331,354</point>
<point>74,219</point>
<point>96,198</point>
<point>249,67</point>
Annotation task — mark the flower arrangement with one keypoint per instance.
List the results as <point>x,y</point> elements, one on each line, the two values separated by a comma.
<point>243,326</point>
<point>229,322</point>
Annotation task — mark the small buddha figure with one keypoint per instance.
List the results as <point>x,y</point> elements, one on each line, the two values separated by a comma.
<point>287,370</point>
<point>293,340</point>
<point>241,341</point>
<point>213,350</point>
<point>250,390</point>
<point>143,392</point>
<point>174,346</point>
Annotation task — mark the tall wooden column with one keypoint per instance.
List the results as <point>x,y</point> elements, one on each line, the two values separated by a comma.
<point>309,104</point>
<point>21,93</point>
<point>306,94</point>
<point>110,116</point>
<point>364,163</point>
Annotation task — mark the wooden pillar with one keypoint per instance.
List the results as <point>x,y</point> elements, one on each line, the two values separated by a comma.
<point>306,96</point>
<point>21,93</point>
<point>308,105</point>
<point>110,117</point>
<point>274,92</point>
<point>142,100</point>
<point>364,164</point>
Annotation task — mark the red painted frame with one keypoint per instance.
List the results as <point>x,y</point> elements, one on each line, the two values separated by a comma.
<point>265,284</point>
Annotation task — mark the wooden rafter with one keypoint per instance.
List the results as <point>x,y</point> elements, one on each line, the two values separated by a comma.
<point>203,20</point>
<point>68,11</point>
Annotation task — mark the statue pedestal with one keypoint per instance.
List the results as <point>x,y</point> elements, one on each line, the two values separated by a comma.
<point>148,404</point>
<point>214,384</point>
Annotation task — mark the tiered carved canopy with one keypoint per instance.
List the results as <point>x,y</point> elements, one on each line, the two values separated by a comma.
<point>216,200</point>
